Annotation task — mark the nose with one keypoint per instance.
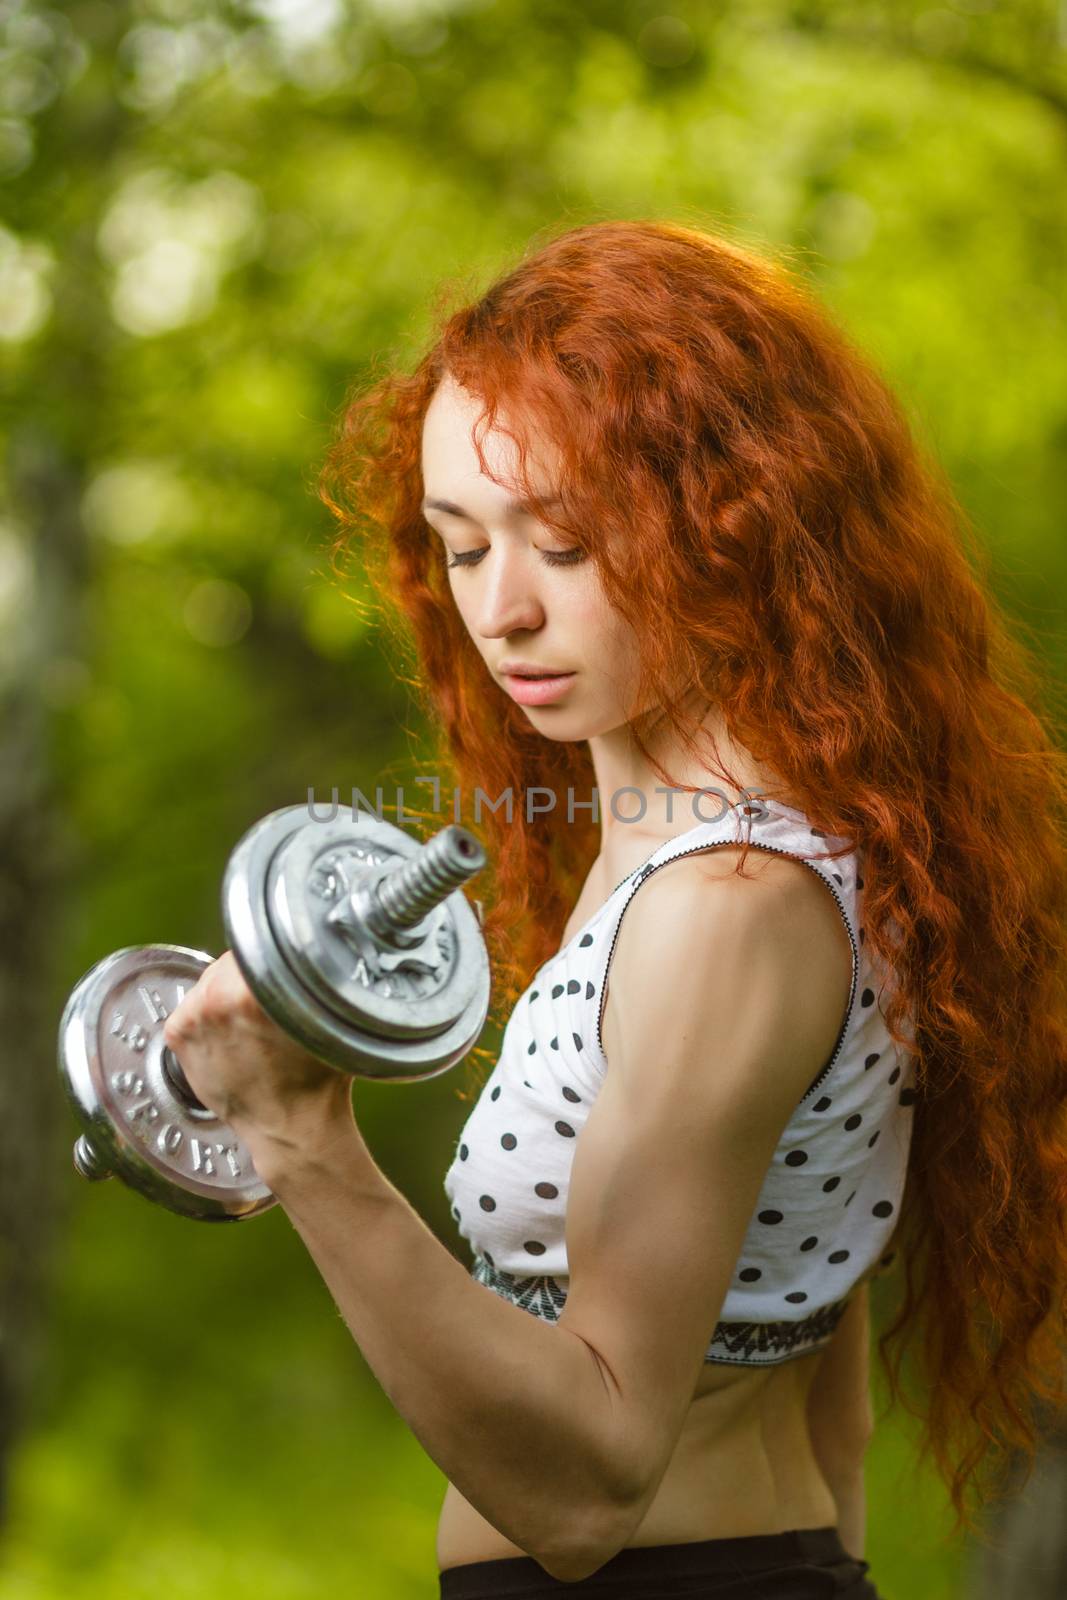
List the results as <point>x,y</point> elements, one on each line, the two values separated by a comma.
<point>510,599</point>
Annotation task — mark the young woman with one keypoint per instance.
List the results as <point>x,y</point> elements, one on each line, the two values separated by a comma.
<point>785,1010</point>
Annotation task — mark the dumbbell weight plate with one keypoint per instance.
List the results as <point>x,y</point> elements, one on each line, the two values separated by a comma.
<point>113,1064</point>
<point>415,991</point>
<point>308,971</point>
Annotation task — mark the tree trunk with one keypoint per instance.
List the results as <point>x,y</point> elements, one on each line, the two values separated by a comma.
<point>33,1125</point>
<point>1023,1555</point>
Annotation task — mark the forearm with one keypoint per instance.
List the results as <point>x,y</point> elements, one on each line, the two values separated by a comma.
<point>850,1497</point>
<point>514,1410</point>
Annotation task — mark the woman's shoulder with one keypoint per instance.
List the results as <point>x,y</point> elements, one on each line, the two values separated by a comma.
<point>782,918</point>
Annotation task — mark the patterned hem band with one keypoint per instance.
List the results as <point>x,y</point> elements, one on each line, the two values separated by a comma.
<point>747,1343</point>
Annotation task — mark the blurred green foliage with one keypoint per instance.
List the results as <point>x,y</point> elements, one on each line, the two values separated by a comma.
<point>215,217</point>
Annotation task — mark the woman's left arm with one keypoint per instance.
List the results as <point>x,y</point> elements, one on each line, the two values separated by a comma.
<point>514,1410</point>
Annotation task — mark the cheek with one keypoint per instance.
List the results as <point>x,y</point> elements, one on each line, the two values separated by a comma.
<point>609,651</point>
<point>586,605</point>
<point>609,644</point>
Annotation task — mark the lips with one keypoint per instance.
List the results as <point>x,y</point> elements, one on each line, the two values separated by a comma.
<point>530,691</point>
<point>509,669</point>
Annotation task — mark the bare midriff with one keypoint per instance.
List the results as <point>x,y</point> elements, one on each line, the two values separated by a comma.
<point>744,1462</point>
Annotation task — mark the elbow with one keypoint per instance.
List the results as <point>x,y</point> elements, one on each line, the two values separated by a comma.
<point>574,1564</point>
<point>599,1521</point>
<point>566,1570</point>
<point>590,1541</point>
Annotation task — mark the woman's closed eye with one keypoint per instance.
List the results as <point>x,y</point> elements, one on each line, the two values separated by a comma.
<point>554,558</point>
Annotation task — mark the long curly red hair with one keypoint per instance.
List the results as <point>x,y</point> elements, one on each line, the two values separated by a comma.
<point>738,471</point>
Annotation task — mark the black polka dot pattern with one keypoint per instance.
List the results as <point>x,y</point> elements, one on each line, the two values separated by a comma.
<point>807,1243</point>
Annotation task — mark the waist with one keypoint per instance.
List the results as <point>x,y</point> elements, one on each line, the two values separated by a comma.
<point>743,1466</point>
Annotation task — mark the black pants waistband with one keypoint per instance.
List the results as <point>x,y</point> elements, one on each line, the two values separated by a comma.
<point>804,1561</point>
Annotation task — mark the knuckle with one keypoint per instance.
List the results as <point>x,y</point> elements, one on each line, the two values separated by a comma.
<point>214,1005</point>
<point>176,1027</point>
<point>248,1006</point>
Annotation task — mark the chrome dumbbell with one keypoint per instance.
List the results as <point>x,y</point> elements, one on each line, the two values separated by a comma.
<point>352,935</point>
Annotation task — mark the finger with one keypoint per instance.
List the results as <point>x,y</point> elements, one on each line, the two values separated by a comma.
<point>179,1025</point>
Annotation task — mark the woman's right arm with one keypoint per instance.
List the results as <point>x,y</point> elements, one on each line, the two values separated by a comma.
<point>851,1502</point>
<point>841,1418</point>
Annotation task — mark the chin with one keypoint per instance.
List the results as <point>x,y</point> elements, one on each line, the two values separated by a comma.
<point>561,728</point>
<point>570,726</point>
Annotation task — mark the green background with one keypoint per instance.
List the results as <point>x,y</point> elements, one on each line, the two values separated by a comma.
<point>215,217</point>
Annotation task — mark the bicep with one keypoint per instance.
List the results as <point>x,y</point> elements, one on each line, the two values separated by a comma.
<point>716,1039</point>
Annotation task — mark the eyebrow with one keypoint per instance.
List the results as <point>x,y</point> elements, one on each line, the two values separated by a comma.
<point>512,507</point>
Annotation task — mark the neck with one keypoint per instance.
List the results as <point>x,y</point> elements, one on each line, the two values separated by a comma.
<point>626,780</point>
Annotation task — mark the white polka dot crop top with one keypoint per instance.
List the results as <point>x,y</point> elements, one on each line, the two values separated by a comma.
<point>830,1200</point>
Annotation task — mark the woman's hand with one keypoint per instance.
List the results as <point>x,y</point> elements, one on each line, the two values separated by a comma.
<point>275,1095</point>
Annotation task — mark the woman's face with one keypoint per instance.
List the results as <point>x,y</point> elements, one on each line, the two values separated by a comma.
<point>523,601</point>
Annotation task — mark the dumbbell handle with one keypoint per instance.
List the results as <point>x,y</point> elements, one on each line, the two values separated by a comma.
<point>172,1071</point>
<point>408,892</point>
